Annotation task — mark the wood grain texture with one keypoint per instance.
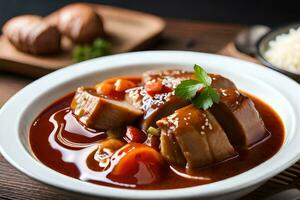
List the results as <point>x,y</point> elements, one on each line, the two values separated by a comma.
<point>179,35</point>
<point>126,30</point>
<point>230,50</point>
<point>10,84</point>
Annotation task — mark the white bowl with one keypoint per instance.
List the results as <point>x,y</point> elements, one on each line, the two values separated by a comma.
<point>277,90</point>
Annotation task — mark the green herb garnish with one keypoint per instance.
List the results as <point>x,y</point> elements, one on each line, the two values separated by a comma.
<point>98,48</point>
<point>153,131</point>
<point>189,90</point>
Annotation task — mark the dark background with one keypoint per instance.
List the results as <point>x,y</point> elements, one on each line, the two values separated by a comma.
<point>267,12</point>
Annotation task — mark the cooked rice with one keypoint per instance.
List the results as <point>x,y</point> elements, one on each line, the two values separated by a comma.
<point>284,51</point>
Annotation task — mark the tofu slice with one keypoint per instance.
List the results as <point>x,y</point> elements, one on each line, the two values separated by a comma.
<point>97,112</point>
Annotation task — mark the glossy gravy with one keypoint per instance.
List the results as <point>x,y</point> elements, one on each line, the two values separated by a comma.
<point>56,126</point>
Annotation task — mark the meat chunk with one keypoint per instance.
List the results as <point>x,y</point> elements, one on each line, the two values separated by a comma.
<point>162,103</point>
<point>237,114</point>
<point>239,118</point>
<point>97,112</point>
<point>170,149</point>
<point>199,136</point>
<point>171,77</point>
<point>165,103</point>
<point>219,81</point>
<point>154,107</point>
<point>158,108</point>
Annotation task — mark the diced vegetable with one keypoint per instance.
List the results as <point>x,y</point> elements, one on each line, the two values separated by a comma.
<point>134,79</point>
<point>115,87</point>
<point>122,84</point>
<point>104,88</point>
<point>153,131</point>
<point>137,163</point>
<point>134,135</point>
<point>153,87</point>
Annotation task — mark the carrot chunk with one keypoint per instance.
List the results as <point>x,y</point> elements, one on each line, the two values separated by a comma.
<point>104,88</point>
<point>122,84</point>
<point>137,163</point>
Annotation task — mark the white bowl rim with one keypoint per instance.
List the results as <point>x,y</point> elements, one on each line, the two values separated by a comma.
<point>16,154</point>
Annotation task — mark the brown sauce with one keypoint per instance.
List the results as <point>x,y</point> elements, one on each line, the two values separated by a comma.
<point>57,123</point>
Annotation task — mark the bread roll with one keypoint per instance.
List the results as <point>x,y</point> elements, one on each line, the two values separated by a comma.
<point>79,22</point>
<point>31,34</point>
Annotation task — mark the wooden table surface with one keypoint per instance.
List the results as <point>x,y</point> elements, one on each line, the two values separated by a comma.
<point>179,35</point>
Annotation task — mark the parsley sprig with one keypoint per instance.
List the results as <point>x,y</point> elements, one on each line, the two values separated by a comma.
<point>99,47</point>
<point>189,89</point>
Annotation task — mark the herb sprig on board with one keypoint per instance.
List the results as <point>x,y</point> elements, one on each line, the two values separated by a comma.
<point>199,91</point>
<point>98,48</point>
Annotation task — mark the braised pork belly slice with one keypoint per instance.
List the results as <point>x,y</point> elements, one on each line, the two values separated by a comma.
<point>97,112</point>
<point>165,103</point>
<point>239,118</point>
<point>237,114</point>
<point>167,75</point>
<point>177,76</point>
<point>200,137</point>
<point>170,149</point>
<point>162,103</point>
<point>154,107</point>
<point>219,81</point>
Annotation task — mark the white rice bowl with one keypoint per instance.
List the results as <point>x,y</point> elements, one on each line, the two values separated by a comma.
<point>284,51</point>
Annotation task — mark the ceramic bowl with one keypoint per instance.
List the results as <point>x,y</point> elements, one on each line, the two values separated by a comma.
<point>263,45</point>
<point>280,92</point>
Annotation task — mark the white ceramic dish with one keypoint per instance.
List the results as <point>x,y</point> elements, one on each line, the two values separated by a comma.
<point>277,90</point>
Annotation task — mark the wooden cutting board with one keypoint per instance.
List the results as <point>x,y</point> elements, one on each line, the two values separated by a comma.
<point>127,30</point>
<point>231,50</point>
